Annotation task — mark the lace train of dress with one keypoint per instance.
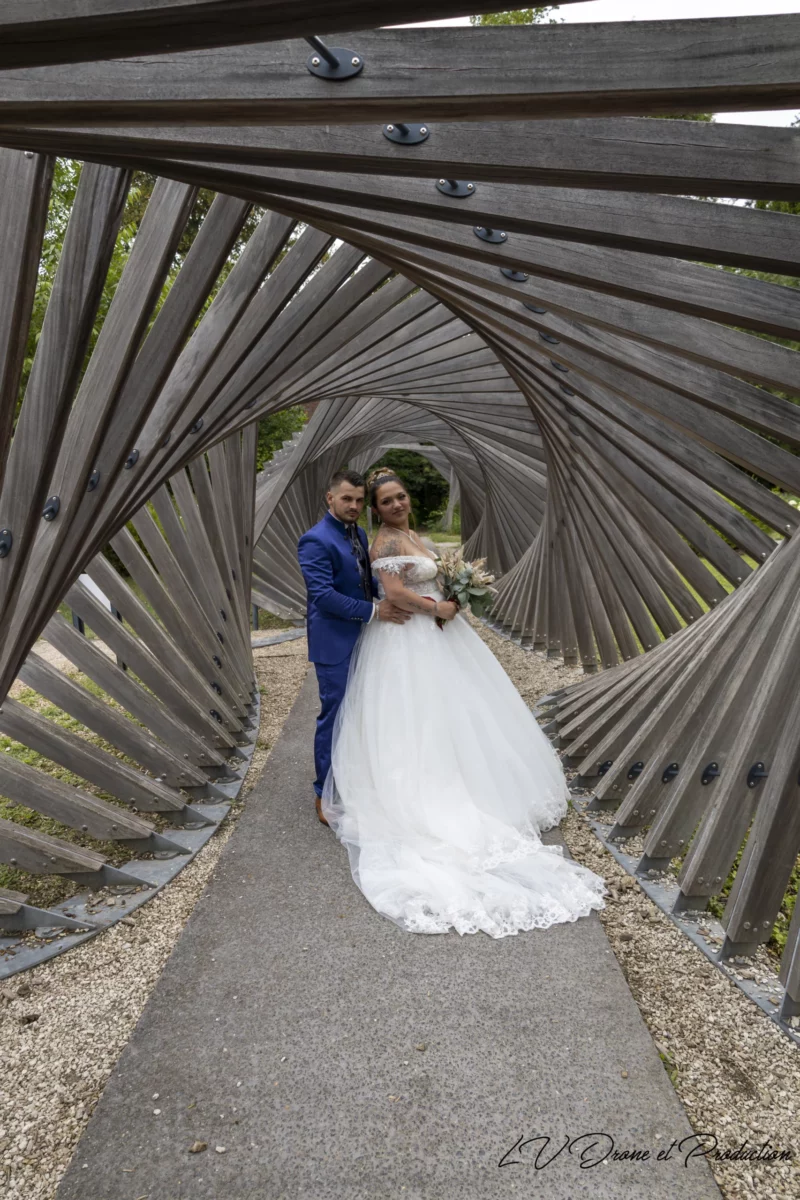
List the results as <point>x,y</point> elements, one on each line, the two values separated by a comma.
<point>441,781</point>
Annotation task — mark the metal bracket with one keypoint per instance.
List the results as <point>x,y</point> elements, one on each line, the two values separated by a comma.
<point>332,62</point>
<point>710,773</point>
<point>6,542</point>
<point>756,774</point>
<point>684,903</point>
<point>604,766</point>
<point>30,917</point>
<point>789,1008</point>
<point>534,307</point>
<point>406,135</point>
<point>51,509</point>
<point>198,425</point>
<point>516,276</point>
<point>621,833</point>
<point>731,949</point>
<point>548,337</point>
<point>635,770</point>
<point>558,365</point>
<point>94,479</point>
<point>648,863</point>
<point>114,878</point>
<point>670,772</point>
<point>131,460</point>
<point>489,235</point>
<point>566,389</point>
<point>602,803</point>
<point>458,189</point>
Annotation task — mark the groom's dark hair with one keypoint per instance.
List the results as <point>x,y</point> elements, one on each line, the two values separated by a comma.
<point>351,477</point>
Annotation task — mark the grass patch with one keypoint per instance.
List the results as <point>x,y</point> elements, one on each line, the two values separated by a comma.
<point>436,535</point>
<point>47,890</point>
<point>269,621</point>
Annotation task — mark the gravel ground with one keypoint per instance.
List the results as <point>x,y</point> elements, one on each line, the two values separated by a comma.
<point>737,1075</point>
<point>64,1024</point>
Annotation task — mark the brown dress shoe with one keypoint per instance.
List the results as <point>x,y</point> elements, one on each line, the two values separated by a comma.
<point>320,813</point>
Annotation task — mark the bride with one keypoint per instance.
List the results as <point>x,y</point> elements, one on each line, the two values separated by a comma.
<point>441,779</point>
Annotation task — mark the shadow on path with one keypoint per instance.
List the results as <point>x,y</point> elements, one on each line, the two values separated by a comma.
<point>288,1023</point>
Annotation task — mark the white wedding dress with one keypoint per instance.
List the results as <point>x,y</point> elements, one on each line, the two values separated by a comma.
<point>441,781</point>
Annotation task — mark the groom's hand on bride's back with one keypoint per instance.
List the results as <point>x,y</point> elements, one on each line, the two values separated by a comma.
<point>390,612</point>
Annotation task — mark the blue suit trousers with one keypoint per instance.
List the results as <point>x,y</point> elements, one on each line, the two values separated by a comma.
<point>332,681</point>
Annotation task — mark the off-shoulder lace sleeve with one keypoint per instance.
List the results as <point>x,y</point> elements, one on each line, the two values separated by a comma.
<point>395,565</point>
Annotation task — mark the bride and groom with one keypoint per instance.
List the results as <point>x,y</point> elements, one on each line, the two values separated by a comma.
<point>431,770</point>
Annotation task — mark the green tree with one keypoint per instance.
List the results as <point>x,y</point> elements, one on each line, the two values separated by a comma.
<point>518,16</point>
<point>686,116</point>
<point>276,429</point>
<point>66,177</point>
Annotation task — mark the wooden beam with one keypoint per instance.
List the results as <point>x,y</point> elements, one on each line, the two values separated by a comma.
<point>664,283</point>
<point>670,226</point>
<point>704,341</point>
<point>434,74</point>
<point>622,154</point>
<point>24,191</point>
<point>59,358</point>
<point>39,32</point>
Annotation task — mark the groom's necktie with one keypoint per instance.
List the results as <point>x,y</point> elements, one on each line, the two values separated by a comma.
<point>361,558</point>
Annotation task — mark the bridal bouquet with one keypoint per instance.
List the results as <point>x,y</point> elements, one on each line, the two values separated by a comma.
<point>466,583</point>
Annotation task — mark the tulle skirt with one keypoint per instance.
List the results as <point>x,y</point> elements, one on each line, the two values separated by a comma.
<point>441,782</point>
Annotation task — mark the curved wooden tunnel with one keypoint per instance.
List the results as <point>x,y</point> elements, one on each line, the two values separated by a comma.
<point>518,280</point>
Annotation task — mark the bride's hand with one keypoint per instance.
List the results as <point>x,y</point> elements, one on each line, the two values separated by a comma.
<point>446,609</point>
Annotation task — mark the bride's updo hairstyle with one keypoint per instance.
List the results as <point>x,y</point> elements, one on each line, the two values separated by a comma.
<point>375,480</point>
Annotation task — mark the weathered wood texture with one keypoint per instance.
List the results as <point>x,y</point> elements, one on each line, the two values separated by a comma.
<point>34,32</point>
<point>188,688</point>
<point>535,296</point>
<point>435,74</point>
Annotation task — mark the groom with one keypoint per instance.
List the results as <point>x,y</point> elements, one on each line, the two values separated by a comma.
<point>334,559</point>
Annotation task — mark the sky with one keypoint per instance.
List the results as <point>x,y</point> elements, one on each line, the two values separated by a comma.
<point>664,10</point>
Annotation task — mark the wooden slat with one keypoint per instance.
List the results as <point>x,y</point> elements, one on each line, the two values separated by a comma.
<point>24,189</point>
<point>603,69</point>
<point>59,358</point>
<point>34,32</point>
<point>103,719</point>
<point>628,154</point>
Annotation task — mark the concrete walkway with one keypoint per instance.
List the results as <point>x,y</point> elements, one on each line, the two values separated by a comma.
<point>335,1056</point>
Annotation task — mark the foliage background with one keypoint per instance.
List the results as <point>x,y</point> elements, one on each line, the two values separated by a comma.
<point>273,430</point>
<point>427,488</point>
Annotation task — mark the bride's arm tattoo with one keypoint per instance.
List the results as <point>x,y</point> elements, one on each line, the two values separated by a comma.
<point>389,545</point>
<point>392,545</point>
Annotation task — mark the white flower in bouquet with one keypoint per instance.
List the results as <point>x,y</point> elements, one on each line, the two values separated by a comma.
<point>467,583</point>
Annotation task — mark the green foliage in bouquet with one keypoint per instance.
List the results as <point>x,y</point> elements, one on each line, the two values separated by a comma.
<point>466,583</point>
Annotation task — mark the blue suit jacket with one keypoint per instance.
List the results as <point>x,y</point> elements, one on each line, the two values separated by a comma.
<point>336,605</point>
